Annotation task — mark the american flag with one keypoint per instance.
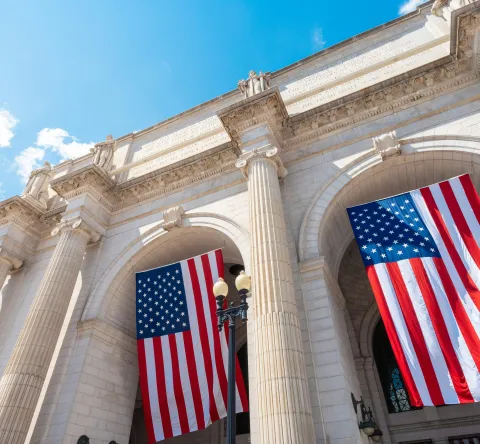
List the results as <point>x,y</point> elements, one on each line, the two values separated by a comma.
<point>422,256</point>
<point>182,356</point>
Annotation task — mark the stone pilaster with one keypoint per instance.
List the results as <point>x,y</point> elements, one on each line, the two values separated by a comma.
<point>333,360</point>
<point>283,402</point>
<point>26,370</point>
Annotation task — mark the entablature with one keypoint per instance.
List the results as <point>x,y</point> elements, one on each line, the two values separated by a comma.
<point>179,153</point>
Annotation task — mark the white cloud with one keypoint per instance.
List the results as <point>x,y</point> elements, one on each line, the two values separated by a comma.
<point>318,40</point>
<point>409,6</point>
<point>59,141</point>
<point>27,161</point>
<point>55,139</point>
<point>7,123</point>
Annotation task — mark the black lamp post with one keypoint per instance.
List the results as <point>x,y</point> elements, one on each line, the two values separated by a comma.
<point>220,290</point>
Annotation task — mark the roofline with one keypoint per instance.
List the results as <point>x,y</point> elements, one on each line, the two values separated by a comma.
<point>279,72</point>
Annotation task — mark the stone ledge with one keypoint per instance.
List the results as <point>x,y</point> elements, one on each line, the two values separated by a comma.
<point>107,333</point>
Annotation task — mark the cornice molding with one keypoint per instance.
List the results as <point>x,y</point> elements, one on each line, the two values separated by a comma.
<point>90,179</point>
<point>163,182</point>
<point>22,213</point>
<point>461,67</point>
<point>265,107</point>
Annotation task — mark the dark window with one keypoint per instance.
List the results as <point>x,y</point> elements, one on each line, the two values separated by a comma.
<point>470,439</point>
<point>392,382</point>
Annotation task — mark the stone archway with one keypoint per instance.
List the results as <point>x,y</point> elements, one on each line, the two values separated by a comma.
<point>368,178</point>
<point>336,244</point>
<point>107,340</point>
<point>119,303</point>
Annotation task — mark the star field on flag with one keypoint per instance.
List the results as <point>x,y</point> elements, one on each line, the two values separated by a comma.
<point>161,302</point>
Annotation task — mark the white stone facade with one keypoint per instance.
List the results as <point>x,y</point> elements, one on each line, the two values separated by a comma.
<point>267,177</point>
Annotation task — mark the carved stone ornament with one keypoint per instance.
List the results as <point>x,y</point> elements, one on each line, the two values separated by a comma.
<point>271,154</point>
<point>172,218</point>
<point>77,224</point>
<point>165,181</point>
<point>438,5</point>
<point>103,153</point>
<point>24,214</point>
<point>37,185</point>
<point>463,67</point>
<point>255,84</point>
<point>92,179</point>
<point>267,107</point>
<point>387,145</point>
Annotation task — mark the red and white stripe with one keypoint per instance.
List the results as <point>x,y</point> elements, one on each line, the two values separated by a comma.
<point>431,306</point>
<point>183,376</point>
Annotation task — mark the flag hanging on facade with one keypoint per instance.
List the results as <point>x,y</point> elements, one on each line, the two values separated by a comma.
<point>182,356</point>
<point>422,256</point>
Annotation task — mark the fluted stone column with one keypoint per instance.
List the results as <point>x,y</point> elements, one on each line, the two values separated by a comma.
<point>26,370</point>
<point>283,403</point>
<point>8,262</point>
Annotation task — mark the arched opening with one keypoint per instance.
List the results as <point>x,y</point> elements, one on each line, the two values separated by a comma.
<point>118,308</point>
<point>380,380</point>
<point>393,176</point>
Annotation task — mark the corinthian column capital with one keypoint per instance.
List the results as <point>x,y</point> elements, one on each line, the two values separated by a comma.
<point>77,224</point>
<point>270,154</point>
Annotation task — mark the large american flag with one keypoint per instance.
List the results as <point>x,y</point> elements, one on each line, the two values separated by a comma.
<point>182,356</point>
<point>422,255</point>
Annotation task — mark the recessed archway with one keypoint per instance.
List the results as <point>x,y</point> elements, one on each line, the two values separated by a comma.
<point>118,301</point>
<point>335,242</point>
<point>378,180</point>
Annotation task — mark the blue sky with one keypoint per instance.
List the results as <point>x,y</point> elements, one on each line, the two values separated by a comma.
<point>72,72</point>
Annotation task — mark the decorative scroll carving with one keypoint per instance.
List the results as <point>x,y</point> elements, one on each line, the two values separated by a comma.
<point>172,218</point>
<point>255,84</point>
<point>103,153</point>
<point>271,153</point>
<point>387,145</point>
<point>37,185</point>
<point>77,224</point>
